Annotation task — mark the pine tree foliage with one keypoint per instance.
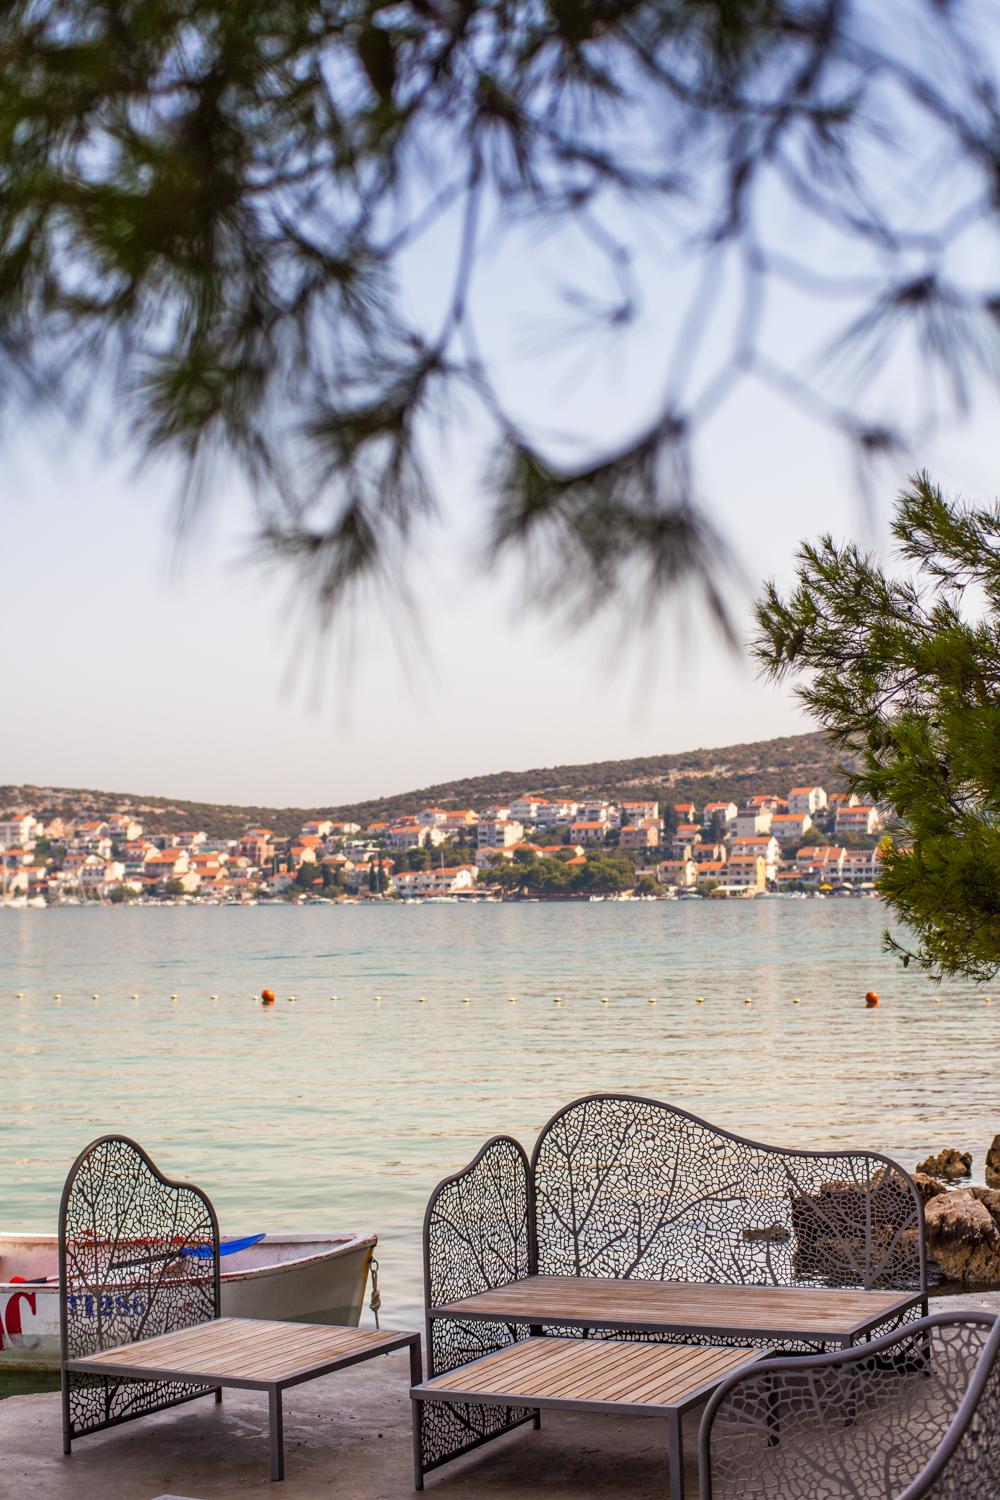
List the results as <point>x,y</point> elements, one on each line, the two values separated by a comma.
<point>207,209</point>
<point>904,673</point>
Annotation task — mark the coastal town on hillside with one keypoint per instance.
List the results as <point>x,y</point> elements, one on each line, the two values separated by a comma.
<point>808,842</point>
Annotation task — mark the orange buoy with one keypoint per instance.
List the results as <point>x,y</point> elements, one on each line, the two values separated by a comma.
<point>267,997</point>
<point>871,999</point>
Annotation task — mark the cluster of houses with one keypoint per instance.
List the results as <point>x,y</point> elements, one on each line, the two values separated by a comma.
<point>769,843</point>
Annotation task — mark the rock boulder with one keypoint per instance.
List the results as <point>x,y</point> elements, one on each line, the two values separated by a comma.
<point>928,1187</point>
<point>963,1234</point>
<point>993,1164</point>
<point>948,1163</point>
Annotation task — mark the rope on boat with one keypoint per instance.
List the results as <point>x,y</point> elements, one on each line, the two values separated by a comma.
<point>375,1301</point>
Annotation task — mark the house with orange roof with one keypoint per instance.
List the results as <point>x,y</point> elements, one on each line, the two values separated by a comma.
<point>790,825</point>
<point>857,819</point>
<point>640,812</point>
<point>727,811</point>
<point>764,845</point>
<point>589,832</point>
<point>686,811</point>
<point>646,834</point>
<point>682,873</point>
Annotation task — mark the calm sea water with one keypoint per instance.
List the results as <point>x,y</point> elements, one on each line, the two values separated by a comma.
<point>344,1114</point>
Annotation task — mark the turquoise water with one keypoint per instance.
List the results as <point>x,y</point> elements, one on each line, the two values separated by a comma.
<point>343,1115</point>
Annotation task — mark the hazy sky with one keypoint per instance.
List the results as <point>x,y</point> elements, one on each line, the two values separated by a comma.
<point>129,666</point>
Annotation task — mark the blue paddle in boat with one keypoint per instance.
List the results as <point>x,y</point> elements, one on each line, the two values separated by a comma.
<point>227,1247</point>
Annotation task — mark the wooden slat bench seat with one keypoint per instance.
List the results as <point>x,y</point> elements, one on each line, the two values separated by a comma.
<point>598,1375</point>
<point>776,1313</point>
<point>250,1354</point>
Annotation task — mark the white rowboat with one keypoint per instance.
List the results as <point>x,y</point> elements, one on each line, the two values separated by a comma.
<point>312,1278</point>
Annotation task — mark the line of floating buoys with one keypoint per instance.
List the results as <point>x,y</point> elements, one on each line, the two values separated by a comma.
<point>871,999</point>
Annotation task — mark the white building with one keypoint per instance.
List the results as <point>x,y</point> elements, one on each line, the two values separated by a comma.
<point>446,882</point>
<point>727,812</point>
<point>499,833</point>
<point>858,819</point>
<point>752,820</point>
<point>589,831</point>
<point>402,836</point>
<point>762,845</point>
<point>790,825</point>
<point>806,799</point>
<point>18,832</point>
<point>641,812</point>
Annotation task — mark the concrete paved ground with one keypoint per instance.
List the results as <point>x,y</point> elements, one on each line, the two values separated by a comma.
<point>347,1437</point>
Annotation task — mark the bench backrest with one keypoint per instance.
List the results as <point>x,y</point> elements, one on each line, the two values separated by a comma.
<point>624,1186</point>
<point>138,1256</point>
<point>914,1414</point>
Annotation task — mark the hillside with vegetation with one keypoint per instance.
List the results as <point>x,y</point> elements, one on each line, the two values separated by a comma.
<point>705,775</point>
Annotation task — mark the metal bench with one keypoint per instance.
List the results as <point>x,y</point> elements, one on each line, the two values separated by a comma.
<point>636,1219</point>
<point>141,1327</point>
<point>911,1416</point>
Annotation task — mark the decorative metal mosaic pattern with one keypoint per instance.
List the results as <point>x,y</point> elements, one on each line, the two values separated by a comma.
<point>630,1187</point>
<point>476,1237</point>
<point>138,1257</point>
<point>864,1424</point>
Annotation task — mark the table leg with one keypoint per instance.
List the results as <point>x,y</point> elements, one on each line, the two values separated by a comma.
<point>675,1449</point>
<point>277,1434</point>
<point>417,1411</point>
<point>418,1440</point>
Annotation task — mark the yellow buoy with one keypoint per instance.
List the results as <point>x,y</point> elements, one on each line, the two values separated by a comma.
<point>57,999</point>
<point>604,999</point>
<point>95,997</point>
<point>292,999</point>
<point>467,1001</point>
<point>558,1000</point>
<point>423,1000</point>
<point>377,997</point>
<point>937,999</point>
<point>652,1000</point>
<point>512,999</point>
<point>748,1001</point>
<point>988,1000</point>
<point>135,994</point>
<point>214,997</point>
<point>20,994</point>
<point>796,1001</point>
<point>334,997</point>
<point>700,1000</point>
<point>173,997</point>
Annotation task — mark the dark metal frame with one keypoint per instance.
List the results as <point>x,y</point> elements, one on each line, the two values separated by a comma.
<point>276,1388</point>
<point>828,1234</point>
<point>965,1464</point>
<point>140,1307</point>
<point>671,1414</point>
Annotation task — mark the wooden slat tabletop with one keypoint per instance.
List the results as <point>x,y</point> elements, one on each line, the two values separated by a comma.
<point>596,1302</point>
<point>251,1349</point>
<point>593,1370</point>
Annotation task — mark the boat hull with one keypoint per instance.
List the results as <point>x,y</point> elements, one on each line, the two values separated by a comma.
<point>310,1278</point>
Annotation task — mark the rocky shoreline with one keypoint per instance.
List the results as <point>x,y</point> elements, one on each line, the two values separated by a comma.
<point>962,1223</point>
